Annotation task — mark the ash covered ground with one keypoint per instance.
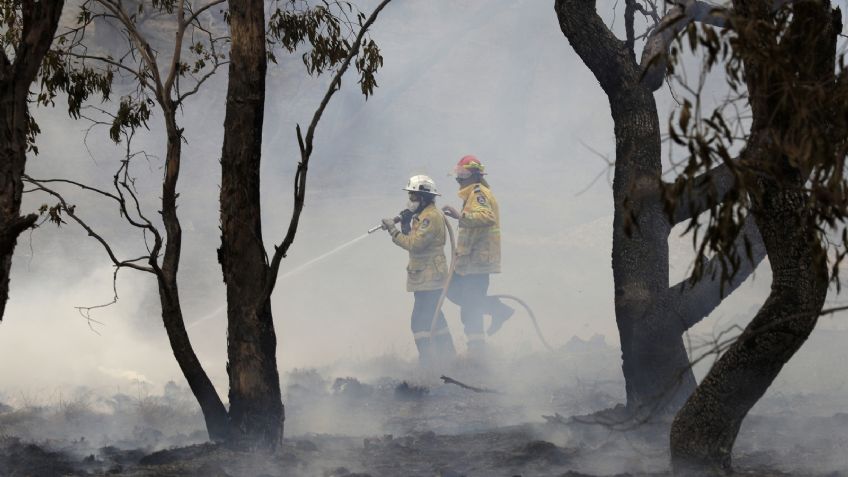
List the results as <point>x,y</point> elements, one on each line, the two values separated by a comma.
<point>387,417</point>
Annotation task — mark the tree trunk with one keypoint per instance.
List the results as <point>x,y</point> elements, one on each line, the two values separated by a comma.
<point>214,412</point>
<point>801,72</point>
<point>12,162</point>
<point>39,21</point>
<point>256,408</point>
<point>705,429</point>
<point>655,363</point>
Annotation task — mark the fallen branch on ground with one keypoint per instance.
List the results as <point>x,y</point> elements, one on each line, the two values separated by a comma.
<point>449,380</point>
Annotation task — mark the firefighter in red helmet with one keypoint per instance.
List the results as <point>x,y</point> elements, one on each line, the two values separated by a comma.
<point>478,253</point>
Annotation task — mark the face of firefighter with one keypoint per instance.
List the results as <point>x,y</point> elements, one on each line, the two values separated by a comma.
<point>414,202</point>
<point>467,179</point>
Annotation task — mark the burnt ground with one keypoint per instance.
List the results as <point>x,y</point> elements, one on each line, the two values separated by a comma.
<point>391,419</point>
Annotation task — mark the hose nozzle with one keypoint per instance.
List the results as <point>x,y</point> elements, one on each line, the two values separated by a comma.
<point>374,229</point>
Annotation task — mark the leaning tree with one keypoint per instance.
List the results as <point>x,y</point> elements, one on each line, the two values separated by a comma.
<point>788,113</point>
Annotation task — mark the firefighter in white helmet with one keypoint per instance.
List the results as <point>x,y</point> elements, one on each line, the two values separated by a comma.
<point>478,253</point>
<point>423,235</point>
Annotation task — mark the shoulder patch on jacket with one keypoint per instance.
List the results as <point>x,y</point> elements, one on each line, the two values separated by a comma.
<point>425,223</point>
<point>481,199</point>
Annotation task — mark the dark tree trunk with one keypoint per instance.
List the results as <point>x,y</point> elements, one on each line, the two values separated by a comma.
<point>654,359</point>
<point>704,431</point>
<point>256,408</point>
<point>39,22</point>
<point>651,316</point>
<point>214,412</point>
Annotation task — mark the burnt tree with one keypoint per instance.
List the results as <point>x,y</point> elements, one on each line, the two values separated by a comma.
<point>792,167</point>
<point>256,413</point>
<point>28,33</point>
<point>256,409</point>
<point>652,315</point>
<point>157,70</point>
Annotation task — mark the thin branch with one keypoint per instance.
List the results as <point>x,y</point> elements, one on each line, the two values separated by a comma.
<point>610,165</point>
<point>141,45</point>
<point>178,47</point>
<point>629,18</point>
<point>139,76</point>
<point>305,145</point>
<point>449,380</point>
<point>69,210</point>
<point>85,311</point>
<point>27,178</point>
<point>201,80</point>
<point>202,9</point>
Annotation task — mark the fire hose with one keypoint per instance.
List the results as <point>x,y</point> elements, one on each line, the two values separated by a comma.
<point>449,276</point>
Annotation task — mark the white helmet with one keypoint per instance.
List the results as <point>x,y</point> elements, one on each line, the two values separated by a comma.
<point>421,184</point>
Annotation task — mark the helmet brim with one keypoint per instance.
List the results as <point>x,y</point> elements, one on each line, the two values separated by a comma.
<point>421,191</point>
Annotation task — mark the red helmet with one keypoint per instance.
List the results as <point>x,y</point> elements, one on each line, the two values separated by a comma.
<point>467,166</point>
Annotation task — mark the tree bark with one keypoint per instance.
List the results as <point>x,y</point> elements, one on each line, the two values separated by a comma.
<point>704,431</point>
<point>657,373</point>
<point>214,412</point>
<point>256,408</point>
<point>39,22</point>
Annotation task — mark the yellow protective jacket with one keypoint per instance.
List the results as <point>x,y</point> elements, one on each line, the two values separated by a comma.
<point>427,267</point>
<point>479,243</point>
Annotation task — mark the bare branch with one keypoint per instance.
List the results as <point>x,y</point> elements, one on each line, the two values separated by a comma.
<point>178,47</point>
<point>69,210</point>
<point>654,61</point>
<point>708,189</point>
<point>692,302</point>
<point>305,145</point>
<point>143,47</point>
<point>449,380</point>
<point>629,14</point>
<point>27,178</point>
<point>85,311</point>
<point>604,54</point>
<point>202,9</point>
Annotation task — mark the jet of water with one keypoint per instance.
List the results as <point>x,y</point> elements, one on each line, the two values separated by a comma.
<point>290,273</point>
<point>315,260</point>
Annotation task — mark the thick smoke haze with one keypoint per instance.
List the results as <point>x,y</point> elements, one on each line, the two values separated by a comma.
<point>494,79</point>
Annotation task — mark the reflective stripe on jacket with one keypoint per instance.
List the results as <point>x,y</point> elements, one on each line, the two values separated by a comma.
<point>479,243</point>
<point>427,267</point>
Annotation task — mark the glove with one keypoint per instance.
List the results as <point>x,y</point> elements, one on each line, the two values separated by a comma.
<point>406,221</point>
<point>389,224</point>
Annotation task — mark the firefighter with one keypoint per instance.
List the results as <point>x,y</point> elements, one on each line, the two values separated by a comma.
<point>423,235</point>
<point>478,254</point>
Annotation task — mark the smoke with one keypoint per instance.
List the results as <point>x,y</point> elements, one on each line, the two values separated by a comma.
<point>528,108</point>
